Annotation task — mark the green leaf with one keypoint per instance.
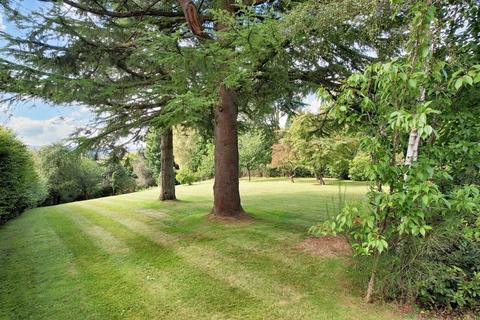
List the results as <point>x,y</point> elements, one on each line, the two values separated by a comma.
<point>428,130</point>
<point>468,79</point>
<point>422,231</point>
<point>458,83</point>
<point>412,83</point>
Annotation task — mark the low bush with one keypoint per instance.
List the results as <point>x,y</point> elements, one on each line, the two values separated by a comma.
<point>442,269</point>
<point>185,176</point>
<point>359,169</point>
<point>339,168</point>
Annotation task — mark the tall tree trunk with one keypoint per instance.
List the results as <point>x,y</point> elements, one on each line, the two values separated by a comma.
<point>167,171</point>
<point>249,175</point>
<point>226,194</point>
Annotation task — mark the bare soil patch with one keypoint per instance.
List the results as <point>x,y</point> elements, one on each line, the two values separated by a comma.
<point>326,246</point>
<point>241,218</point>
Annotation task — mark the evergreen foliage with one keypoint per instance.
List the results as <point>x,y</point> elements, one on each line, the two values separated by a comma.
<point>21,186</point>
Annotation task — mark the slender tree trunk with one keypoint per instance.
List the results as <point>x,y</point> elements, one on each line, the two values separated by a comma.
<point>249,175</point>
<point>167,171</point>
<point>320,179</point>
<point>292,175</point>
<point>371,282</point>
<point>412,151</point>
<point>226,194</point>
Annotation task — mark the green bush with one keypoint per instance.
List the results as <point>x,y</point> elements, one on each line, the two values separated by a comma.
<point>454,282</point>
<point>442,269</point>
<point>185,176</point>
<point>339,168</point>
<point>360,167</point>
<point>273,172</point>
<point>21,187</point>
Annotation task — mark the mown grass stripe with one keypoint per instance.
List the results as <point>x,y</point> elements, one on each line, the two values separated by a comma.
<point>174,271</point>
<point>271,290</point>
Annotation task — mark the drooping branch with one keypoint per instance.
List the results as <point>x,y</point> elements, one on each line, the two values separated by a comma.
<point>149,11</point>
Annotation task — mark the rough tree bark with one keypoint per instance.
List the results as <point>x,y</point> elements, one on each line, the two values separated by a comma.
<point>226,194</point>
<point>191,16</point>
<point>167,171</point>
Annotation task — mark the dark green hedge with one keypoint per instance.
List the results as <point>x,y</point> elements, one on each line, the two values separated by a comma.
<point>20,185</point>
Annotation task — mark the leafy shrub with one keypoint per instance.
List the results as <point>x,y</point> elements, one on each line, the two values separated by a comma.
<point>185,176</point>
<point>359,169</point>
<point>21,187</point>
<point>440,270</point>
<point>273,172</point>
<point>454,281</point>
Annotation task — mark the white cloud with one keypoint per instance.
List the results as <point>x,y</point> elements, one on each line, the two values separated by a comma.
<point>35,132</point>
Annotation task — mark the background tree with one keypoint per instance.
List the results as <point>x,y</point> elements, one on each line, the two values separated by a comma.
<point>255,151</point>
<point>188,146</point>
<point>286,158</point>
<point>153,152</point>
<point>88,176</point>
<point>206,166</point>
<point>144,177</point>
<point>319,144</point>
<point>60,167</point>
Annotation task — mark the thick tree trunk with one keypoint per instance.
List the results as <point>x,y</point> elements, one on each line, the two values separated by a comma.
<point>226,194</point>
<point>167,171</point>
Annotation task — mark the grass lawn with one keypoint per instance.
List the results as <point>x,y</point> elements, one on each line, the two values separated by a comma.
<point>132,257</point>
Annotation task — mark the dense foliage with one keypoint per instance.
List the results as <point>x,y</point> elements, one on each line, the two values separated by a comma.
<point>21,184</point>
<point>420,192</point>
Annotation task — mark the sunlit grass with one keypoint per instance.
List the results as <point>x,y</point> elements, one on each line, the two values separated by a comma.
<point>133,257</point>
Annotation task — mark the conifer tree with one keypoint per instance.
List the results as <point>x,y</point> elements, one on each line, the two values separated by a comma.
<point>158,63</point>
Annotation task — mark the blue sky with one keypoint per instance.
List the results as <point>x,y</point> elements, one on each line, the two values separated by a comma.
<point>37,123</point>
